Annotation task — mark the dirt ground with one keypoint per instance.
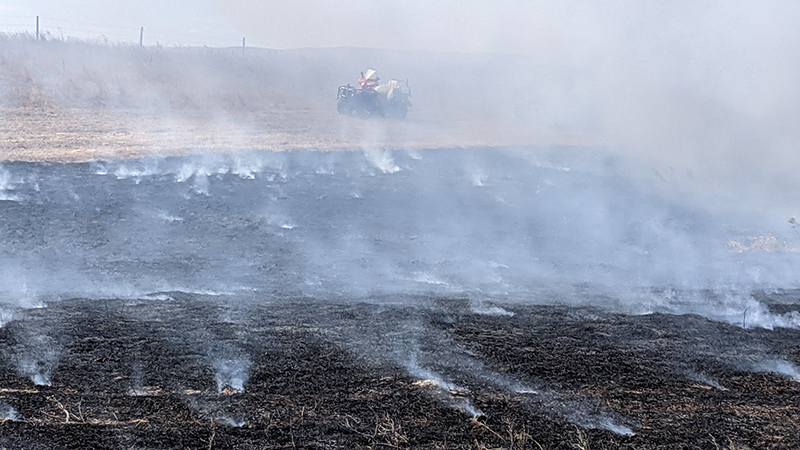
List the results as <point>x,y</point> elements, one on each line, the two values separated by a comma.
<point>141,374</point>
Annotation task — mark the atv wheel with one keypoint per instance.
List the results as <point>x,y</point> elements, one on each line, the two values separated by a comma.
<point>345,107</point>
<point>396,110</point>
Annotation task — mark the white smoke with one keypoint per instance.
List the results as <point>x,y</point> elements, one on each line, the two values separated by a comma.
<point>481,307</point>
<point>230,421</point>
<point>231,373</point>
<point>244,165</point>
<point>382,159</point>
<point>36,355</point>
<point>779,366</point>
<point>8,413</point>
<point>705,379</point>
<point>431,377</point>
<point>7,184</point>
<point>608,424</point>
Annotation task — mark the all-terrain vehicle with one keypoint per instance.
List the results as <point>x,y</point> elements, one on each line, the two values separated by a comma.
<point>372,99</point>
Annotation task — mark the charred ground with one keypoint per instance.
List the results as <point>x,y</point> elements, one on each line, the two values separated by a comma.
<point>141,374</point>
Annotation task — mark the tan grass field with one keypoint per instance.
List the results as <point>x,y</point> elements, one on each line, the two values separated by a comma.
<point>81,134</point>
<point>75,101</point>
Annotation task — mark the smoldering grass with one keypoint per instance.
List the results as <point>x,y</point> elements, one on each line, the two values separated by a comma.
<point>414,154</point>
<point>608,424</point>
<point>427,278</point>
<point>428,377</point>
<point>502,380</point>
<point>159,297</point>
<point>6,316</point>
<point>201,185</point>
<point>138,388</point>
<point>382,160</point>
<point>231,375</point>
<point>478,178</point>
<point>8,412</point>
<point>465,404</point>
<point>230,421</point>
<point>756,314</point>
<point>279,220</point>
<point>455,269</point>
<point>734,306</point>
<point>581,416</point>
<point>41,379</point>
<point>144,169</point>
<point>583,413</point>
<point>482,308</point>
<point>454,394</point>
<point>7,185</point>
<point>705,379</point>
<point>36,357</point>
<point>778,366</point>
<point>593,420</point>
<point>210,409</point>
<point>199,168</point>
<point>166,217</point>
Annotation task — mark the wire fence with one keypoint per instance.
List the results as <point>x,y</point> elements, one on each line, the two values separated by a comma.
<point>49,28</point>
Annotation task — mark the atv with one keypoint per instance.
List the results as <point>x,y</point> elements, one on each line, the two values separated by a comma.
<point>372,99</point>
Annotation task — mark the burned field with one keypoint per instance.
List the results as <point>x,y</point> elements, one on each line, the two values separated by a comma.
<point>189,371</point>
<point>487,298</point>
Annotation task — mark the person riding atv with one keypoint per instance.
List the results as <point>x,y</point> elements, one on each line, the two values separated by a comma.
<point>372,99</point>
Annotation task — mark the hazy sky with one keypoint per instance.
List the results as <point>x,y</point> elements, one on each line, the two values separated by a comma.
<point>170,22</point>
<point>549,29</point>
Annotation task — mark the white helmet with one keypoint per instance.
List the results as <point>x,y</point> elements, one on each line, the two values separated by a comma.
<point>371,74</point>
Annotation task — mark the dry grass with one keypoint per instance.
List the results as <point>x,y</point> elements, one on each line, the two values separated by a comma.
<point>512,438</point>
<point>388,433</point>
<point>582,441</point>
<point>77,101</point>
<point>730,445</point>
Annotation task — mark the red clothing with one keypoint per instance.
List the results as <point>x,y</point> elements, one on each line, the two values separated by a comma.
<point>367,83</point>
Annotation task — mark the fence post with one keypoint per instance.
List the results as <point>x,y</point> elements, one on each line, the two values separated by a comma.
<point>37,28</point>
<point>141,37</point>
<point>242,46</point>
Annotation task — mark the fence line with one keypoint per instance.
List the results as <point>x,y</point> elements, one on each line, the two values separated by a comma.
<point>49,28</point>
